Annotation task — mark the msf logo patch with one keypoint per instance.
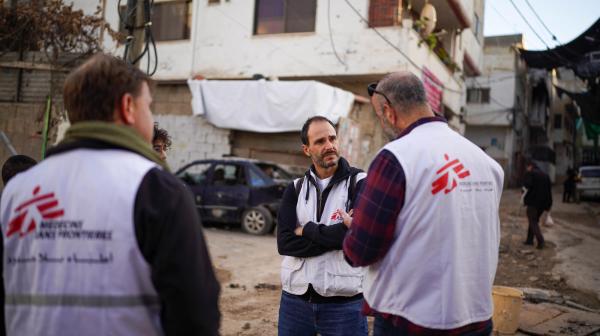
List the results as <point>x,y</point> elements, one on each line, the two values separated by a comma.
<point>448,175</point>
<point>33,211</point>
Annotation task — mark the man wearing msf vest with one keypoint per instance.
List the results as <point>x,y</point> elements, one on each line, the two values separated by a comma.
<point>321,292</point>
<point>99,238</point>
<point>426,222</point>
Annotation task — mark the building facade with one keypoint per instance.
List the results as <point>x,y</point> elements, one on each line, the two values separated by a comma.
<point>347,44</point>
<point>496,104</point>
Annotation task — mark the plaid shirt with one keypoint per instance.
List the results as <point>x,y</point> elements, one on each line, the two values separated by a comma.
<point>374,223</point>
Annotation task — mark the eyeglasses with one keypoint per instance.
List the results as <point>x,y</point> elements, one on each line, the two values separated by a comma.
<point>371,90</point>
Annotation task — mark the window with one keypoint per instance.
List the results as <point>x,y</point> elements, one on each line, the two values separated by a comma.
<point>171,20</point>
<point>557,121</point>
<point>228,174</point>
<point>195,174</point>
<point>284,16</point>
<point>383,13</point>
<point>274,171</point>
<point>255,179</point>
<point>590,172</point>
<point>478,96</point>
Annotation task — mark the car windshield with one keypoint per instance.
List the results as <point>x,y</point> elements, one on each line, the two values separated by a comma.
<point>593,172</point>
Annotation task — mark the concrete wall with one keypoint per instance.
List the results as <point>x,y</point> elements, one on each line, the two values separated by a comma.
<point>482,136</point>
<point>502,99</point>
<point>501,151</point>
<point>193,139</point>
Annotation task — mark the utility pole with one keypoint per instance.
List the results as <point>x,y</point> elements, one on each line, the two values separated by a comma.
<point>136,30</point>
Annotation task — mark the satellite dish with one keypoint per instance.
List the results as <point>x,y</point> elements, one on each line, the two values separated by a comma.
<point>429,19</point>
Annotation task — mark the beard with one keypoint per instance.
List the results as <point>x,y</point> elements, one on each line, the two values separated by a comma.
<point>389,131</point>
<point>320,160</point>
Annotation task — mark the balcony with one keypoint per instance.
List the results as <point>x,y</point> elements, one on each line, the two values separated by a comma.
<point>451,14</point>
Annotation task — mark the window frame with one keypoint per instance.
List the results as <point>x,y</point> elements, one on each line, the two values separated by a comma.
<point>479,94</point>
<point>187,23</point>
<point>285,15</point>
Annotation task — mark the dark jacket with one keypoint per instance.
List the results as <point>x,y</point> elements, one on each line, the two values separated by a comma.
<point>316,238</point>
<point>539,190</point>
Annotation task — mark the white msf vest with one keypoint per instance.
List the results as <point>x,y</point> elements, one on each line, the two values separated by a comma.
<point>72,265</point>
<point>440,268</point>
<point>329,273</point>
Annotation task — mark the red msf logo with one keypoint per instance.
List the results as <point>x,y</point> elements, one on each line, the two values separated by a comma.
<point>336,216</point>
<point>450,173</point>
<point>33,211</point>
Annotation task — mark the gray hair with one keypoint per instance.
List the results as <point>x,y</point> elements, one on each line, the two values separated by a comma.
<point>404,90</point>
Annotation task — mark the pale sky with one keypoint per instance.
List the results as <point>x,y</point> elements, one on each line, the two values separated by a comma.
<point>565,19</point>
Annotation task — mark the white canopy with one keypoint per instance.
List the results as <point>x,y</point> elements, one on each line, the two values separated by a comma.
<point>267,106</point>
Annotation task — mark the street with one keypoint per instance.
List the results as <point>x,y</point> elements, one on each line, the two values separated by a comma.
<point>248,266</point>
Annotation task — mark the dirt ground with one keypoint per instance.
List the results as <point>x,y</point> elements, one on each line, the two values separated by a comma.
<point>570,263</point>
<point>248,266</point>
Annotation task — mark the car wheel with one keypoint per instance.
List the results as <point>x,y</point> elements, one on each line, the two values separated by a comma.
<point>257,221</point>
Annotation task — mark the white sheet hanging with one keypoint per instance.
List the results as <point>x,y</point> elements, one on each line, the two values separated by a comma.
<point>267,106</point>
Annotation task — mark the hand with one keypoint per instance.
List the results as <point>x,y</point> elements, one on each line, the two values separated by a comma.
<point>346,216</point>
<point>298,230</point>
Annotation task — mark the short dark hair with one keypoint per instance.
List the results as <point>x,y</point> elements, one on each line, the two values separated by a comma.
<point>95,88</point>
<point>404,89</point>
<point>14,165</point>
<point>304,132</point>
<point>163,135</point>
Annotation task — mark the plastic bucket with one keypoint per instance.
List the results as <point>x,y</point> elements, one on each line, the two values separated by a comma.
<point>507,308</point>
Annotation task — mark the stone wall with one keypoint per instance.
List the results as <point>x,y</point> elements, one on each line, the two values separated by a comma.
<point>193,138</point>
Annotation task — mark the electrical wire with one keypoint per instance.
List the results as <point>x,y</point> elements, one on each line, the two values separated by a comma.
<point>528,24</point>
<point>503,17</point>
<point>566,61</point>
<point>542,22</point>
<point>331,35</point>
<point>548,29</point>
<point>149,41</point>
<point>434,80</point>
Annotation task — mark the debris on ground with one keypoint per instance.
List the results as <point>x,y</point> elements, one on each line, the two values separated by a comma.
<point>552,319</point>
<point>266,286</point>
<point>236,285</point>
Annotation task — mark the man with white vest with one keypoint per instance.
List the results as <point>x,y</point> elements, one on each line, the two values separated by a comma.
<point>321,293</point>
<point>426,222</point>
<point>99,238</point>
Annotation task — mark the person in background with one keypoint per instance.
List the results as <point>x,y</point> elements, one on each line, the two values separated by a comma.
<point>569,186</point>
<point>161,141</point>
<point>538,198</point>
<point>14,165</point>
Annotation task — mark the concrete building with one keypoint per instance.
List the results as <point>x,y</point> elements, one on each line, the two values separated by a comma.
<point>496,102</point>
<point>515,113</point>
<point>563,115</point>
<point>346,44</point>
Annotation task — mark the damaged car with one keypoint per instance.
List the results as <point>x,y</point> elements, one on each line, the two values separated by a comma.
<point>237,190</point>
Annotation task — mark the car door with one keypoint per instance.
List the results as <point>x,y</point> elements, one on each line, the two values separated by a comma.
<point>196,177</point>
<point>226,196</point>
